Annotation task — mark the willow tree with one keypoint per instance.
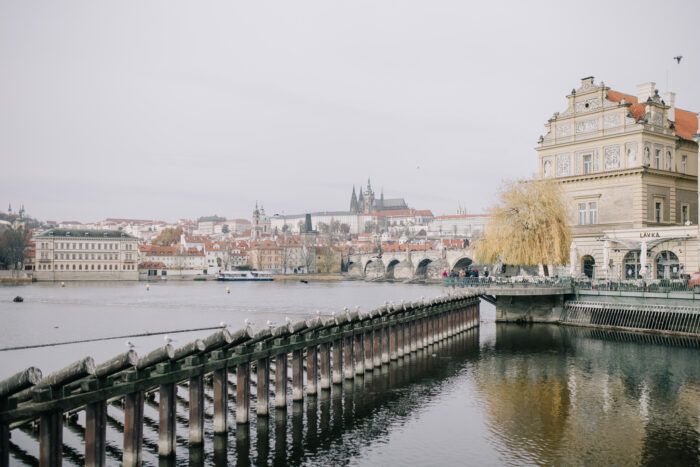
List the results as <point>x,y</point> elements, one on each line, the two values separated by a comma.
<point>527,227</point>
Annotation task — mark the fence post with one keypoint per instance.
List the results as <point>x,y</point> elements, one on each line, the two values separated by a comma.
<point>220,381</point>
<point>133,428</point>
<point>167,426</point>
<point>95,434</point>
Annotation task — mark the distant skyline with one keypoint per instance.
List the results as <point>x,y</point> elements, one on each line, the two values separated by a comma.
<point>168,109</point>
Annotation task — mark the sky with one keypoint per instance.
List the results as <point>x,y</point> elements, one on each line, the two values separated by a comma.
<point>172,109</point>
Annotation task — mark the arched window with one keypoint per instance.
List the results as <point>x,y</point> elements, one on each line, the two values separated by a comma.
<point>588,266</point>
<point>632,265</point>
<point>667,265</point>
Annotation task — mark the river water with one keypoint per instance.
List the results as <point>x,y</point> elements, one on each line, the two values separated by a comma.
<point>500,395</point>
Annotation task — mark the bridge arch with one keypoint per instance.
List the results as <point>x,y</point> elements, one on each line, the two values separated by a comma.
<point>463,262</point>
<point>390,268</point>
<point>429,268</point>
<point>374,269</point>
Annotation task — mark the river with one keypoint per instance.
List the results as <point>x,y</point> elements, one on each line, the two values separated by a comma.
<point>501,395</point>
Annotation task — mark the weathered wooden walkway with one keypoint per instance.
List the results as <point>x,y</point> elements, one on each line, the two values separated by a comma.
<point>324,351</point>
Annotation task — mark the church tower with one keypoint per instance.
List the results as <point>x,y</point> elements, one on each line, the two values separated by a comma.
<point>353,201</point>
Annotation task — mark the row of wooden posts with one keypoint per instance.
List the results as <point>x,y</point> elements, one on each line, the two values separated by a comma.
<point>326,350</point>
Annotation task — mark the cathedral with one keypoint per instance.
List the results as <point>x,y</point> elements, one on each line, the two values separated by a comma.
<point>366,202</point>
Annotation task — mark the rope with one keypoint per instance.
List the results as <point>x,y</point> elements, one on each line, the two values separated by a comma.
<point>97,339</point>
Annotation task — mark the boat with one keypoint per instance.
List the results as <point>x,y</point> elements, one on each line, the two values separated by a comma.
<point>244,276</point>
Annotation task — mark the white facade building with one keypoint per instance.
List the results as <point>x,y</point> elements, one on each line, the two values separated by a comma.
<point>66,255</point>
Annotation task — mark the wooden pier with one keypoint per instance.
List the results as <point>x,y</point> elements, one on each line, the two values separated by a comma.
<point>323,351</point>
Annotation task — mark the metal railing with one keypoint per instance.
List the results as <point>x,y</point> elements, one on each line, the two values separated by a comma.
<point>641,286</point>
<point>503,282</point>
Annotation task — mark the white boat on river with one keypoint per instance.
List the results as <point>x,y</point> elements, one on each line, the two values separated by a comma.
<point>244,276</point>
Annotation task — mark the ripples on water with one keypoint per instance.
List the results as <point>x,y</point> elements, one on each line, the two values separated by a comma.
<point>505,394</point>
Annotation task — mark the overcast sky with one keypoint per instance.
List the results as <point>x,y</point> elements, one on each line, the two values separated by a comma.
<point>166,109</point>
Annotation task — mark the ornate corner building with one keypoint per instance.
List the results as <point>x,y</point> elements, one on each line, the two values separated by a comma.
<point>629,167</point>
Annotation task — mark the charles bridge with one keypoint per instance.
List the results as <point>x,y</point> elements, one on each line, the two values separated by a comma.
<point>407,265</point>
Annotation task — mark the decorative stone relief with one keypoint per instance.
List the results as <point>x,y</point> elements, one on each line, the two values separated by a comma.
<point>630,121</point>
<point>587,105</point>
<point>611,158</point>
<point>563,165</point>
<point>631,149</point>
<point>586,126</point>
<point>563,130</point>
<point>612,120</point>
<point>647,156</point>
<point>657,119</point>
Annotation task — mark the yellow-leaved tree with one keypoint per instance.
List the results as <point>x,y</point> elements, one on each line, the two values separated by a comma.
<point>527,227</point>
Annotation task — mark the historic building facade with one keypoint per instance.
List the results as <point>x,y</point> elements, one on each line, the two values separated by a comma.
<point>629,167</point>
<point>64,255</point>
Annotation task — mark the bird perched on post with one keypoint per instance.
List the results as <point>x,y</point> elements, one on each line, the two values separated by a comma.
<point>130,345</point>
<point>223,325</point>
<point>678,58</point>
<point>167,339</point>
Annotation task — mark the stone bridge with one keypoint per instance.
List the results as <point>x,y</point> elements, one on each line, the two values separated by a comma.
<point>407,265</point>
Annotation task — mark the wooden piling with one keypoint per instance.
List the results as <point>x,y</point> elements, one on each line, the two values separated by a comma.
<point>4,445</point>
<point>359,351</point>
<point>399,339</point>
<point>51,439</point>
<point>311,371</point>
<point>196,407</point>
<point>367,337</point>
<point>133,429</point>
<point>167,426</point>
<point>298,375</point>
<point>384,339</point>
<point>95,434</point>
<point>242,393</point>
<point>376,347</point>
<point>337,361</point>
<point>220,381</point>
<point>348,370</point>
<point>393,347</point>
<point>263,387</point>
<point>325,365</point>
<point>281,381</point>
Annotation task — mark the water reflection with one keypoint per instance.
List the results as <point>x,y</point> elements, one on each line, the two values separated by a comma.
<point>558,395</point>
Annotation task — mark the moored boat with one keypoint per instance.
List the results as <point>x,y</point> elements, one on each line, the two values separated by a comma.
<point>244,276</point>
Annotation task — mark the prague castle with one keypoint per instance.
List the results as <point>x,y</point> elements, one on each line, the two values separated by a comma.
<point>367,203</point>
<point>629,166</point>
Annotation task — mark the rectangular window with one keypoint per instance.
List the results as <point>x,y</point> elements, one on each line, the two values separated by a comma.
<point>593,213</point>
<point>587,163</point>
<point>684,213</point>
<point>582,214</point>
<point>657,211</point>
<point>684,164</point>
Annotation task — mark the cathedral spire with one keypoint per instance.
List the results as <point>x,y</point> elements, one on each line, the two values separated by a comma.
<point>353,201</point>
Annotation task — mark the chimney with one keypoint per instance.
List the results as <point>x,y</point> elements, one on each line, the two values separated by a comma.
<point>645,91</point>
<point>670,100</point>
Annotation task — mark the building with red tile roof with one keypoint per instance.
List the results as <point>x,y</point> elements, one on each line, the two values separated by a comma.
<point>626,163</point>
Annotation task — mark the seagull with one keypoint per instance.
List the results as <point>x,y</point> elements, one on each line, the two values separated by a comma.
<point>167,339</point>
<point>223,325</point>
<point>318,312</point>
<point>287,320</point>
<point>269,323</point>
<point>678,58</point>
<point>130,345</point>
